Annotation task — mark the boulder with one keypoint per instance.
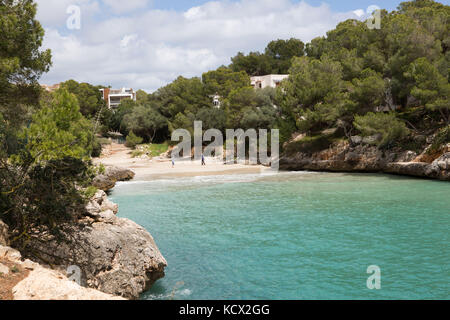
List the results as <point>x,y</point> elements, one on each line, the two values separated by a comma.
<point>10,254</point>
<point>99,204</point>
<point>356,140</point>
<point>104,182</point>
<point>112,174</point>
<point>4,235</point>
<point>416,169</point>
<point>371,139</point>
<point>46,284</point>
<point>443,162</point>
<point>4,269</point>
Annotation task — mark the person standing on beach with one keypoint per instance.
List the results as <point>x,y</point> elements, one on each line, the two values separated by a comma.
<point>203,160</point>
<point>173,163</point>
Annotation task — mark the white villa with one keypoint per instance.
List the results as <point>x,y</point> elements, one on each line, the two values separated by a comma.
<point>270,80</point>
<point>114,97</point>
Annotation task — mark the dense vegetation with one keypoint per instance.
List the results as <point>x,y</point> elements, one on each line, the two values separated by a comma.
<point>342,80</point>
<point>45,142</point>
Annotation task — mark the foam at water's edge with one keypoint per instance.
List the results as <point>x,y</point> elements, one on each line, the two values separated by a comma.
<point>230,178</point>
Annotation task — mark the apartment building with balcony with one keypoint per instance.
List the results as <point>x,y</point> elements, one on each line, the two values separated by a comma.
<point>270,80</point>
<point>114,97</point>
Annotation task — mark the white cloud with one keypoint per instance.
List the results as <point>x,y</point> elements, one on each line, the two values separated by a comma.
<point>149,48</point>
<point>121,6</point>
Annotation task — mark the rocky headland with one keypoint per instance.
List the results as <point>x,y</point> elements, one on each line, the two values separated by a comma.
<point>116,258</point>
<point>360,155</point>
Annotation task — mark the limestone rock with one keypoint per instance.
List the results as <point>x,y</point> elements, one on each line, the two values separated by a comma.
<point>10,254</point>
<point>417,169</point>
<point>116,256</point>
<point>355,139</point>
<point>357,156</point>
<point>4,269</point>
<point>443,162</point>
<point>4,235</point>
<point>45,284</point>
<point>112,174</point>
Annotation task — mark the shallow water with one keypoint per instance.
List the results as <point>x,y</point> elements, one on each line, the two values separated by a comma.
<point>295,235</point>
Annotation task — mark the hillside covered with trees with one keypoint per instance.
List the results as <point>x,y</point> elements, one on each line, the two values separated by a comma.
<point>392,83</point>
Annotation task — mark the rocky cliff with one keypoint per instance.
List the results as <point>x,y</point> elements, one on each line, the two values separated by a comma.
<point>36,282</point>
<point>115,255</point>
<point>361,157</point>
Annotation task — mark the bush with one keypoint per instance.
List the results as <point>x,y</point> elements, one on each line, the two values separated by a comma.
<point>96,148</point>
<point>442,138</point>
<point>385,125</point>
<point>311,144</point>
<point>133,140</point>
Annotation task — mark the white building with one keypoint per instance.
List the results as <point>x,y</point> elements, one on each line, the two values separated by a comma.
<point>270,80</point>
<point>216,100</point>
<point>114,97</point>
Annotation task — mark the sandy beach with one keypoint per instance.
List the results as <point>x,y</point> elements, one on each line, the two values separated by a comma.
<point>157,168</point>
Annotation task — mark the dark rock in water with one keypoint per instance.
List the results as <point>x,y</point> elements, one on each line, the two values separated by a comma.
<point>108,180</point>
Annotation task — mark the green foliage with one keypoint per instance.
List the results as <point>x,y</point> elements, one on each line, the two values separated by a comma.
<point>310,144</point>
<point>59,131</point>
<point>141,96</point>
<point>223,80</point>
<point>157,149</point>
<point>430,87</point>
<point>275,60</point>
<point>37,199</point>
<point>212,118</point>
<point>386,126</point>
<point>442,138</point>
<point>369,90</point>
<point>181,96</point>
<point>21,64</point>
<point>133,140</point>
<point>144,121</point>
<point>315,95</point>
<point>89,97</point>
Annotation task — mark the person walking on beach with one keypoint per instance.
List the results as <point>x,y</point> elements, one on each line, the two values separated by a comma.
<point>203,160</point>
<point>173,163</point>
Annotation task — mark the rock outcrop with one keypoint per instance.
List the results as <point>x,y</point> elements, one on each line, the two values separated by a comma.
<point>112,174</point>
<point>115,255</point>
<point>3,234</point>
<point>45,284</point>
<point>362,157</point>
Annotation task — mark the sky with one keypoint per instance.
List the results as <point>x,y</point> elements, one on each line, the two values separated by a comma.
<point>146,44</point>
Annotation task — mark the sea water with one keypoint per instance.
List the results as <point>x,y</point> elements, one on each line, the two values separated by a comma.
<point>295,235</point>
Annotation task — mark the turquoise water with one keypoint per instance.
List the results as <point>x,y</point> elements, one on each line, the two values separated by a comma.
<point>295,235</point>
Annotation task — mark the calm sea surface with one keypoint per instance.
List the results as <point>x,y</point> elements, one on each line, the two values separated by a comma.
<point>295,235</point>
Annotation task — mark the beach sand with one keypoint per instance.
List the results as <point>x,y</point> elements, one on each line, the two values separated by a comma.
<point>156,168</point>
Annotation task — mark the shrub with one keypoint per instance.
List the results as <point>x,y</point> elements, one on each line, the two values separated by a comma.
<point>385,125</point>
<point>133,140</point>
<point>442,137</point>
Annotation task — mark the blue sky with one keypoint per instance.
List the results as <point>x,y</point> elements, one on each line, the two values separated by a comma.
<point>146,44</point>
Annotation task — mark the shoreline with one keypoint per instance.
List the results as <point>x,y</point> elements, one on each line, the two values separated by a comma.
<point>158,168</point>
<point>161,168</point>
